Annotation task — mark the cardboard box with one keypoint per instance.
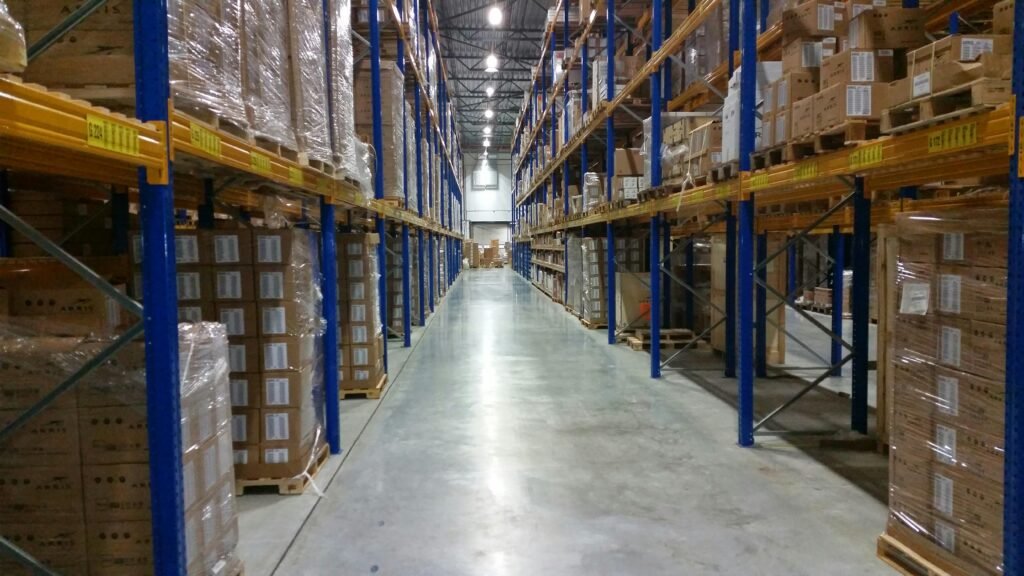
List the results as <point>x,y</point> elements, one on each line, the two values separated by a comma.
<point>49,438</point>
<point>362,355</point>
<point>283,282</point>
<point>957,48</point>
<point>228,247</point>
<point>941,76</point>
<point>288,389</point>
<point>628,162</point>
<point>57,307</point>
<point>246,390</point>
<point>293,426</point>
<point>32,368</point>
<point>804,54</point>
<point>781,130</point>
<point>188,249</point>
<point>272,462</point>
<point>58,545</point>
<point>814,18</point>
<point>356,267</point>
<point>196,311</point>
<point>855,66</point>
<point>1002,17</point>
<point>361,291</point>
<point>835,105</point>
<point>120,548</point>
<point>116,492</point>
<point>40,494</point>
<point>889,27</point>
<point>802,121</point>
<point>286,353</point>
<point>361,332</point>
<point>277,247</point>
<point>363,377</point>
<point>793,86</point>
<point>120,382</point>
<point>243,354</point>
<point>245,427</point>
<point>285,318</point>
<point>239,318</point>
<point>114,435</point>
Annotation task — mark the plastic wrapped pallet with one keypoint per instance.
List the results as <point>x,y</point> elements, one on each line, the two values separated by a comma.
<point>343,90</point>
<point>392,126</point>
<point>362,338</point>
<point>592,281</point>
<point>12,42</point>
<point>707,49</point>
<point>98,431</point>
<point>308,64</point>
<point>267,71</point>
<point>947,415</point>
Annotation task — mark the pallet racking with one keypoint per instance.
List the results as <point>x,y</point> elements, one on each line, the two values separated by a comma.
<point>48,133</point>
<point>847,192</point>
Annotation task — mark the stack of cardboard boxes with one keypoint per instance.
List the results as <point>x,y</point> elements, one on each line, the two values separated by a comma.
<point>74,480</point>
<point>628,175</point>
<point>392,83</point>
<point>948,357</point>
<point>593,299</point>
<point>58,216</point>
<point>395,293</point>
<point>361,337</point>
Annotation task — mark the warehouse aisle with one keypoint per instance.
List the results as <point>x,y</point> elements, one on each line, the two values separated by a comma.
<point>516,442</point>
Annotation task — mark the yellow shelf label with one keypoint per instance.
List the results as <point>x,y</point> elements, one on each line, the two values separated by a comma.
<point>953,138</point>
<point>323,185</point>
<point>206,140</point>
<point>1020,148</point>
<point>758,181</point>
<point>295,175</point>
<point>259,162</point>
<point>806,170</point>
<point>112,136</point>
<point>865,156</point>
<point>722,191</point>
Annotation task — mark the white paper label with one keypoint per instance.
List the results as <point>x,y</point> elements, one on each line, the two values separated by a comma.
<point>276,426</point>
<point>858,100</point>
<point>274,320</point>
<point>190,314</point>
<point>357,312</point>
<point>354,249</point>
<point>945,444</point>
<point>810,56</point>
<point>914,298</point>
<point>953,246</point>
<point>360,335</point>
<point>355,269</point>
<point>234,320</point>
<point>862,66</point>
<point>275,456</point>
<point>268,250</point>
<point>239,392</point>
<point>948,392</point>
<point>277,391</point>
<point>942,494</point>
<point>225,249</point>
<point>275,356</point>
<point>971,48</point>
<point>360,356</point>
<point>945,535</point>
<point>356,291</point>
<point>949,293</point>
<point>271,285</point>
<point>241,457</point>
<point>239,432</point>
<point>949,346</point>
<point>186,249</point>
<point>229,285</point>
<point>826,17</point>
<point>236,357</point>
<point>885,52</point>
<point>360,375</point>
<point>922,85</point>
<point>188,285</point>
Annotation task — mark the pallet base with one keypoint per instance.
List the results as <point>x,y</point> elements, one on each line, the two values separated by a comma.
<point>593,325</point>
<point>369,393</point>
<point>285,486</point>
<point>906,561</point>
<point>971,98</point>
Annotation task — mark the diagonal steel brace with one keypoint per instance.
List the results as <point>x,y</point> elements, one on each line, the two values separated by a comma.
<point>801,393</point>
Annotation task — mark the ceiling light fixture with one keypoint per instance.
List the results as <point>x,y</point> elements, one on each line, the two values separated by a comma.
<point>487,130</point>
<point>487,143</point>
<point>488,113</point>
<point>492,63</point>
<point>494,16</point>
<point>490,91</point>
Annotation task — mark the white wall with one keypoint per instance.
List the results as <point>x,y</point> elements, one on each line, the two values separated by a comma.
<point>484,232</point>
<point>491,204</point>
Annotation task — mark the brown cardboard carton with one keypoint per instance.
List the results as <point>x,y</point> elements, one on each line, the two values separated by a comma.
<point>233,283</point>
<point>32,368</point>
<point>767,129</point>
<point>120,382</point>
<point>49,438</point>
<point>365,354</point>
<point>246,390</point>
<point>284,426</point>
<point>243,354</point>
<point>287,389</point>
<point>120,548</point>
<point>793,86</point>
<point>227,247</point>
<point>628,162</point>
<point>957,48</point>
<point>781,130</point>
<point>364,376</point>
<point>814,18</point>
<point>188,249</point>
<point>835,105</point>
<point>58,545</point>
<point>285,318</point>
<point>286,352</point>
<point>245,427</point>
<point>193,284</point>
<point>888,27</point>
<point>116,492</point>
<point>284,461</point>
<point>285,282</point>
<point>275,247</point>
<point>114,435</point>
<point>803,54</point>
<point>856,66</point>
<point>196,311</point>
<point>802,122</point>
<point>1002,17</point>
<point>239,318</point>
<point>40,494</point>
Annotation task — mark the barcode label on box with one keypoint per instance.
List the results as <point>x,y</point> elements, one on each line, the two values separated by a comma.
<point>357,291</point>
<point>268,249</point>
<point>858,100</point>
<point>234,320</point>
<point>229,285</point>
<point>361,375</point>
<point>948,391</point>
<point>275,356</point>
<point>811,55</point>
<point>360,335</point>
<point>271,285</point>
<point>942,494</point>
<point>188,286</point>
<point>971,48</point>
<point>190,314</point>
<point>921,85</point>
<point>355,269</point>
<point>949,346</point>
<point>357,312</point>
<point>225,249</point>
<point>953,246</point>
<point>276,426</point>
<point>914,298</point>
<point>277,391</point>
<point>945,535</point>
<point>949,293</point>
<point>236,357</point>
<point>886,52</point>
<point>826,17</point>
<point>360,355</point>
<point>239,392</point>
<point>241,457</point>
<point>274,320</point>
<point>354,249</point>
<point>239,433</point>
<point>862,66</point>
<point>945,444</point>
<point>275,456</point>
<point>186,249</point>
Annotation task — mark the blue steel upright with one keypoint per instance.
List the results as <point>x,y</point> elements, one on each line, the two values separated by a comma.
<point>163,390</point>
<point>745,233</point>
<point>329,289</point>
<point>860,306</point>
<point>378,181</point>
<point>655,294</point>
<point>655,154</point>
<point>838,244</point>
<point>1013,498</point>
<point>730,291</point>
<point>609,171</point>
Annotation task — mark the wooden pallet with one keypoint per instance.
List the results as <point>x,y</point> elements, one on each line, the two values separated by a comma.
<point>671,338</point>
<point>726,171</point>
<point>372,393</point>
<point>285,486</point>
<point>769,157</point>
<point>275,147</point>
<point>831,139</point>
<point>593,325</point>
<point>971,98</point>
<point>318,165</point>
<point>905,560</point>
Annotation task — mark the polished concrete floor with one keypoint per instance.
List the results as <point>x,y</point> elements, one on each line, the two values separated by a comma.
<point>513,441</point>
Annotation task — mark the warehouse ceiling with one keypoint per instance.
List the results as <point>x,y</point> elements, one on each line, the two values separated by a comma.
<point>466,40</point>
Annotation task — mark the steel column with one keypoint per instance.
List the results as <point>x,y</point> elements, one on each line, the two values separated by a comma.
<point>860,304</point>
<point>745,243</point>
<point>688,277</point>
<point>406,288</point>
<point>791,266</point>
<point>655,289</point>
<point>331,341</point>
<point>730,291</point>
<point>609,171</point>
<point>761,308</point>
<point>432,271</point>
<point>838,246</point>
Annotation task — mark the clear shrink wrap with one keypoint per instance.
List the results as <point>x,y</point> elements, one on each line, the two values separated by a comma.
<point>707,48</point>
<point>364,170</point>
<point>12,42</point>
<point>267,71</point>
<point>308,61</point>
<point>594,193</point>
<point>97,431</point>
<point>574,273</point>
<point>592,280</point>
<point>343,90</point>
<point>670,154</point>
<point>362,342</point>
<point>947,415</point>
